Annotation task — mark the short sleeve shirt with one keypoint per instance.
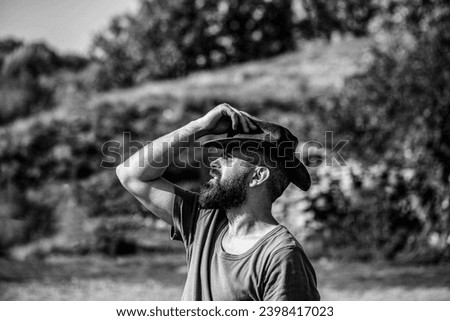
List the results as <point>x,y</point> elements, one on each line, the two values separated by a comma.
<point>275,268</point>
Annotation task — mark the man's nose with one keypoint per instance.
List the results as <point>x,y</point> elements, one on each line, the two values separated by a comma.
<point>217,163</point>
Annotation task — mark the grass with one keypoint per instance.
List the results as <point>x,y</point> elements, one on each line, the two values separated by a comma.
<point>317,69</point>
<point>94,277</point>
<point>160,276</point>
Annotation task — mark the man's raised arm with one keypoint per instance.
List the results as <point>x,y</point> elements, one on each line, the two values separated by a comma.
<point>141,173</point>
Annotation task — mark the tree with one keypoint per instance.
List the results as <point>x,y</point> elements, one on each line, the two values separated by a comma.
<point>170,38</point>
<point>397,116</point>
<point>325,17</point>
<point>21,90</point>
<point>7,46</point>
<point>30,60</point>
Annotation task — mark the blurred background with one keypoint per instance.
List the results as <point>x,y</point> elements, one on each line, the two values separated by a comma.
<point>76,74</point>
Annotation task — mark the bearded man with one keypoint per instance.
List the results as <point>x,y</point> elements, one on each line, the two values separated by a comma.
<point>235,249</point>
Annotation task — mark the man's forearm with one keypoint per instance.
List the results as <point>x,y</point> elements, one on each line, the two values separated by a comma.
<point>150,162</point>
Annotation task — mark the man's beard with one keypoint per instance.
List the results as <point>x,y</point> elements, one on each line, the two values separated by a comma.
<point>224,195</point>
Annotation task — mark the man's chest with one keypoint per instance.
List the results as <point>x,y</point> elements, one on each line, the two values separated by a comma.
<point>237,246</point>
<point>235,280</point>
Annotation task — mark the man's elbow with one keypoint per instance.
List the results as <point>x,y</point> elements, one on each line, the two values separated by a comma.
<point>122,174</point>
<point>129,179</point>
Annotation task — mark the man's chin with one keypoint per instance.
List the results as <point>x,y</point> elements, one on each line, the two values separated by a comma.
<point>207,186</point>
<point>214,195</point>
<point>206,201</point>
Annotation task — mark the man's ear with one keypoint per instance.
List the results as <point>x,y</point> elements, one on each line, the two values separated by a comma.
<point>260,175</point>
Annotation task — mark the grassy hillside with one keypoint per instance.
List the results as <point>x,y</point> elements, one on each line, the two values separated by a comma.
<point>318,68</point>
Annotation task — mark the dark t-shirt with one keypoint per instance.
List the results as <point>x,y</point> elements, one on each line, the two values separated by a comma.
<point>275,268</point>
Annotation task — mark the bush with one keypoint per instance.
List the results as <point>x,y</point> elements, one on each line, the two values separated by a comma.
<point>22,219</point>
<point>23,98</point>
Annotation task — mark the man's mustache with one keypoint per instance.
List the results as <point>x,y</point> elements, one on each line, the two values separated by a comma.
<point>215,173</point>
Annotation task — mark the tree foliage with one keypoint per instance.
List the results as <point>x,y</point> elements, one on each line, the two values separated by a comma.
<point>7,46</point>
<point>170,38</point>
<point>344,16</point>
<point>24,73</point>
<point>397,116</point>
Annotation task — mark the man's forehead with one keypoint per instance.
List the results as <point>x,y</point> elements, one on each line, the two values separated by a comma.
<point>235,152</point>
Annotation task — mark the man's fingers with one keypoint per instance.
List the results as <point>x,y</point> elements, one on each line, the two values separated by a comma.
<point>243,121</point>
<point>238,117</point>
<point>250,120</point>
<point>234,118</point>
<point>251,123</point>
<point>247,122</point>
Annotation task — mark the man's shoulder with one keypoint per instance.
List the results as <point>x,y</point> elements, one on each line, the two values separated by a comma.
<point>283,240</point>
<point>280,245</point>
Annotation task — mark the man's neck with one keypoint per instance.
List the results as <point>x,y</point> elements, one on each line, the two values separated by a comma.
<point>248,220</point>
<point>246,226</point>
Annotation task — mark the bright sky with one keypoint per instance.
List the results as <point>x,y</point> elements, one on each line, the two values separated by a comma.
<point>67,25</point>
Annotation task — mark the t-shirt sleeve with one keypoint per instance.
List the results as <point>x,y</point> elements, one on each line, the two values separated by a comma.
<point>291,277</point>
<point>184,215</point>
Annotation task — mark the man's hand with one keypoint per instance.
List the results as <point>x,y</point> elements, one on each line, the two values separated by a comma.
<point>223,118</point>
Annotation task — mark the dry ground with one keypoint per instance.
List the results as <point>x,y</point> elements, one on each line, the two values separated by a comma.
<point>160,276</point>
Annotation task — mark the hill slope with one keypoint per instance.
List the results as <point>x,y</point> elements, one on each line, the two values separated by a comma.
<point>319,68</point>
<point>316,69</point>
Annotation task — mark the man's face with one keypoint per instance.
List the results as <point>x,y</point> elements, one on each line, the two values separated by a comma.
<point>229,183</point>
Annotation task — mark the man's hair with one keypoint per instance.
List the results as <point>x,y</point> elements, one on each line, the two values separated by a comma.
<point>277,182</point>
<point>278,179</point>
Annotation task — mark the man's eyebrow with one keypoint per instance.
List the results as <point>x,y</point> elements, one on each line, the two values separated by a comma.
<point>228,155</point>
<point>227,152</point>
